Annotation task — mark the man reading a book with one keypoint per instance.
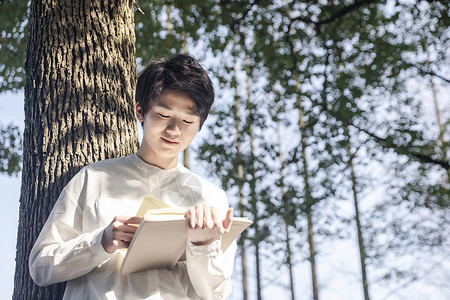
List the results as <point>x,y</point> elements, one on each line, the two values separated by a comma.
<point>94,217</point>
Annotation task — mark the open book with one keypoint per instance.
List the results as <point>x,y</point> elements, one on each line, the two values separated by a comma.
<point>160,240</point>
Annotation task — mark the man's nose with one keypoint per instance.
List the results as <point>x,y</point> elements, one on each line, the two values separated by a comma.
<point>173,127</point>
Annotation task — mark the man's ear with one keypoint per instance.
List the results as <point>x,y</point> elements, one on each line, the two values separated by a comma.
<point>139,112</point>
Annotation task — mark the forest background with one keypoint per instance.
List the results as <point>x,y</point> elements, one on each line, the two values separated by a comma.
<point>330,131</point>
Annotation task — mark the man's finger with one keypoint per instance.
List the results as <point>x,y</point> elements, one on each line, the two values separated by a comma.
<point>228,219</point>
<point>126,228</point>
<point>191,217</point>
<point>208,221</point>
<point>217,220</point>
<point>133,220</point>
<point>199,216</point>
<point>122,219</point>
<point>122,244</point>
<point>123,236</point>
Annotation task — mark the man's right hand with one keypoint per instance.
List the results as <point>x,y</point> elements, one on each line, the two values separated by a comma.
<point>119,232</point>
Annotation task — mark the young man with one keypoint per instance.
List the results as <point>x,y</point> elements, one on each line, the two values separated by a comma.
<point>93,216</point>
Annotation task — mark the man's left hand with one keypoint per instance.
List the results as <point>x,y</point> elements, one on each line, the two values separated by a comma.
<point>204,224</point>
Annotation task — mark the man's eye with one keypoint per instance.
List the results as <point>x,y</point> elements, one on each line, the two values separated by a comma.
<point>188,122</point>
<point>163,116</point>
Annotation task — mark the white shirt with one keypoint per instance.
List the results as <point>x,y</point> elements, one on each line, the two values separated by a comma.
<point>69,245</point>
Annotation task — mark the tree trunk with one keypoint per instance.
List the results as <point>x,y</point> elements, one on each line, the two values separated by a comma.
<point>289,261</point>
<point>312,255</point>
<point>308,203</point>
<point>362,250</point>
<point>79,108</point>
<point>286,225</point>
<point>258,234</point>
<point>253,193</point>
<point>186,157</point>
<point>243,236</point>
<point>438,120</point>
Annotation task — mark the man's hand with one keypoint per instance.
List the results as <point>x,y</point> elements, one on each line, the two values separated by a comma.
<point>119,232</point>
<point>204,224</point>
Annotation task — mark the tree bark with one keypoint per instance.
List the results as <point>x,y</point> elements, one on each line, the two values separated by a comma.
<point>79,108</point>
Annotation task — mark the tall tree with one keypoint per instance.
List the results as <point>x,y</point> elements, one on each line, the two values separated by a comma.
<point>240,183</point>
<point>309,201</point>
<point>359,231</point>
<point>288,241</point>
<point>253,182</point>
<point>79,108</point>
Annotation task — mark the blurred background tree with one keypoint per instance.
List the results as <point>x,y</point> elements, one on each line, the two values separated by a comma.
<point>320,105</point>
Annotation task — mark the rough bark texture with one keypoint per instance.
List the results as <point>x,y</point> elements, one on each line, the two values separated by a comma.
<point>79,108</point>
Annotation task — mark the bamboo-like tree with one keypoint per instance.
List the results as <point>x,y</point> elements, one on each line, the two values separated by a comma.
<point>284,200</point>
<point>258,235</point>
<point>240,182</point>
<point>308,202</point>
<point>359,230</point>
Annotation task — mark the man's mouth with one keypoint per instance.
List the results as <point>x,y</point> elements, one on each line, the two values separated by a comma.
<point>169,142</point>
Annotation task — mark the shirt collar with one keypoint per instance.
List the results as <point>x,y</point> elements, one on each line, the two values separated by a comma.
<point>153,170</point>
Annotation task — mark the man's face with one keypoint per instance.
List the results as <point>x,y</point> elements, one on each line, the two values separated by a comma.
<point>169,127</point>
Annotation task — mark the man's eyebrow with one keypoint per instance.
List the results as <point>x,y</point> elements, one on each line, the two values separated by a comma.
<point>163,106</point>
<point>192,111</point>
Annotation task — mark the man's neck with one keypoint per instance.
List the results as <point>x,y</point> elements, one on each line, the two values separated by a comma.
<point>157,161</point>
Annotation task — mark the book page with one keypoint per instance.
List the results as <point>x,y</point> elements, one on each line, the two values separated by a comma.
<point>150,203</point>
<point>167,211</point>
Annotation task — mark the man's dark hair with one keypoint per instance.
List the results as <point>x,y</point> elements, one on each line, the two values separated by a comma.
<point>181,73</point>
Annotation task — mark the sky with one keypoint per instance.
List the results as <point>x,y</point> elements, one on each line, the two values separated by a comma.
<point>338,261</point>
<point>11,111</point>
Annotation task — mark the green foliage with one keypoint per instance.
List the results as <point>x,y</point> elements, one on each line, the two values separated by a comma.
<point>355,69</point>
<point>10,150</point>
<point>350,65</point>
<point>13,40</point>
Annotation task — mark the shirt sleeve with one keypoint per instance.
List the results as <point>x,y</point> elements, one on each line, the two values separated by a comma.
<point>210,269</point>
<point>62,251</point>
